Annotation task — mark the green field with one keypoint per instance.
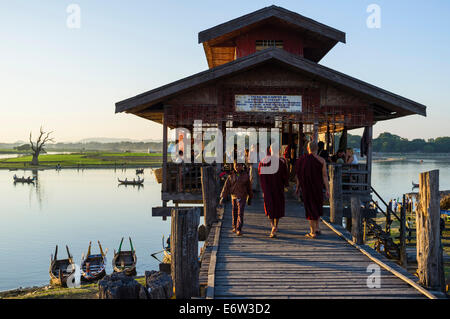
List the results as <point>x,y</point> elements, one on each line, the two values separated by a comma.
<point>86,160</point>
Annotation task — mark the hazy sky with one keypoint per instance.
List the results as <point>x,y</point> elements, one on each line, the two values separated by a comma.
<point>69,79</point>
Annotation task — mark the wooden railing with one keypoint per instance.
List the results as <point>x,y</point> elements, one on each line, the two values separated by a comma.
<point>183,178</point>
<point>355,180</point>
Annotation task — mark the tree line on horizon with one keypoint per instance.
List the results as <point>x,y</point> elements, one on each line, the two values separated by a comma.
<point>391,143</point>
<point>384,143</point>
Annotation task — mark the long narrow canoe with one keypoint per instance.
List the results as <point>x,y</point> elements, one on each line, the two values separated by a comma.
<point>131,182</point>
<point>23,179</point>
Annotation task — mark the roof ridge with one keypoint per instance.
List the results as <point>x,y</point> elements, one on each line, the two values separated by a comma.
<point>298,19</point>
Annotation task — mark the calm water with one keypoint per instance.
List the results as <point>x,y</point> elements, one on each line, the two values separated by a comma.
<point>73,207</point>
<point>393,179</point>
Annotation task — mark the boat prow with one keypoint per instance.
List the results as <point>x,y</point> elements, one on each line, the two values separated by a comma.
<point>125,261</point>
<point>93,266</point>
<point>60,270</point>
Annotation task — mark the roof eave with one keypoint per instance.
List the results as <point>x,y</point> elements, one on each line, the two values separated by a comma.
<point>301,64</point>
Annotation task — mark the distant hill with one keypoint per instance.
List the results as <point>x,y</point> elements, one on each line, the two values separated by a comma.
<point>116,140</point>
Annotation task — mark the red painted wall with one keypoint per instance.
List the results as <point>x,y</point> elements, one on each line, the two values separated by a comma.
<point>246,43</point>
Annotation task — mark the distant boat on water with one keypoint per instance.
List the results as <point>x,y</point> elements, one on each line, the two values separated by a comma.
<point>24,179</point>
<point>131,182</point>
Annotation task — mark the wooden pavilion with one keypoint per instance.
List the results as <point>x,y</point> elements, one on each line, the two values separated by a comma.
<point>272,52</point>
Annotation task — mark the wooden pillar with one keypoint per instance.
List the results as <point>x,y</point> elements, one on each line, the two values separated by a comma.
<point>164,171</point>
<point>210,192</point>
<point>336,201</point>
<point>357,227</point>
<point>316,132</point>
<point>300,140</point>
<point>327,139</point>
<point>184,252</point>
<point>369,156</point>
<point>290,133</point>
<point>403,255</point>
<point>429,248</point>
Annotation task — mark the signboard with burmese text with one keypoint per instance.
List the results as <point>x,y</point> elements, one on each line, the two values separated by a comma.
<point>268,103</point>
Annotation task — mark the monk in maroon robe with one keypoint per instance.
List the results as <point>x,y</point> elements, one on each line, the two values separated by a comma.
<point>312,177</point>
<point>272,184</point>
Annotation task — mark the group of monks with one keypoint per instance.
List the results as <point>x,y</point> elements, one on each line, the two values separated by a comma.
<point>311,179</point>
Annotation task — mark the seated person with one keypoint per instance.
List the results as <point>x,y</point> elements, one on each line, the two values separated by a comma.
<point>350,157</point>
<point>338,158</point>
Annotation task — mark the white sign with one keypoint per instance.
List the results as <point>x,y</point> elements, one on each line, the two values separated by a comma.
<point>268,103</point>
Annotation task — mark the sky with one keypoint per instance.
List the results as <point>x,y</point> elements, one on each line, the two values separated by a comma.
<point>68,79</point>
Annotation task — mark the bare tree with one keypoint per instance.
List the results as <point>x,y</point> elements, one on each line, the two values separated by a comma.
<point>43,138</point>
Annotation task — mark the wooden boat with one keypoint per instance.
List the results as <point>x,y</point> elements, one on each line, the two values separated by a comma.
<point>125,261</point>
<point>131,182</point>
<point>93,266</point>
<point>23,179</point>
<point>60,270</point>
<point>140,171</point>
<point>414,185</point>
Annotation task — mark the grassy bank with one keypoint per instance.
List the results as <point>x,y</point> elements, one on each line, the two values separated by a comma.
<point>86,291</point>
<point>85,160</point>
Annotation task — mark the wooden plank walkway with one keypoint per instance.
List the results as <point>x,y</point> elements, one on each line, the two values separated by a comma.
<point>292,266</point>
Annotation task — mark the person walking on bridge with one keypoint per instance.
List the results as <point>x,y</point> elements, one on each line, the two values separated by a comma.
<point>312,177</point>
<point>273,177</point>
<point>239,186</point>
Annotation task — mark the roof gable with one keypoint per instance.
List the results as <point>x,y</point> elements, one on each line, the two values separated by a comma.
<point>314,38</point>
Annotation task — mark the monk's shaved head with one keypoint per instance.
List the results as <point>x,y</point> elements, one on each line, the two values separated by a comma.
<point>313,147</point>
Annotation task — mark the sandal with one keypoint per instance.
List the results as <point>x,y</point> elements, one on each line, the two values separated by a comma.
<point>309,235</point>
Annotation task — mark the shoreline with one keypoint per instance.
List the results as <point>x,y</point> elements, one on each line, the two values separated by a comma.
<point>43,168</point>
<point>86,291</point>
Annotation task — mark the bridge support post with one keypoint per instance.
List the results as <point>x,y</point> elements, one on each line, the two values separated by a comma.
<point>210,191</point>
<point>357,225</point>
<point>429,247</point>
<point>336,201</point>
<point>403,254</point>
<point>184,252</point>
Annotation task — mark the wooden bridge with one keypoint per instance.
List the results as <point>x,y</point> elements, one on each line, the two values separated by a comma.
<point>293,266</point>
